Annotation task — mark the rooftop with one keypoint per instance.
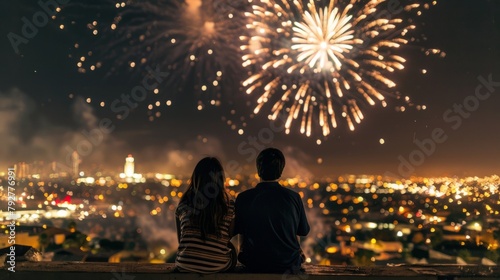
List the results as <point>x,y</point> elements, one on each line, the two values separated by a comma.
<point>137,271</point>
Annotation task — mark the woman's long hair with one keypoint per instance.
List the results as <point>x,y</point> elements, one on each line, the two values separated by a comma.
<point>206,196</point>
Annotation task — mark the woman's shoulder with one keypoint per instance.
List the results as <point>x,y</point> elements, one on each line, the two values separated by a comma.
<point>182,208</point>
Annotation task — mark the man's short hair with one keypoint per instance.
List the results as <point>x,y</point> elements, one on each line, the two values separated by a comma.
<point>270,164</point>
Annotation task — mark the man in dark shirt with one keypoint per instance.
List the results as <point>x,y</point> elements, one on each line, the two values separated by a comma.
<point>270,217</point>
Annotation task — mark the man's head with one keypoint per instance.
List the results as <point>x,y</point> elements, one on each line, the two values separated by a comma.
<point>270,164</point>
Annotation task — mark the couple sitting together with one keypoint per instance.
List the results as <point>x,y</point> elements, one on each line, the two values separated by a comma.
<point>268,217</point>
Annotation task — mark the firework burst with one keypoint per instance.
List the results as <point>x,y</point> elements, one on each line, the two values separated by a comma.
<point>316,61</point>
<point>192,40</point>
<point>199,47</point>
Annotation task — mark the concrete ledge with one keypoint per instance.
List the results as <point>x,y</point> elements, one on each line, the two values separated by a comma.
<point>139,271</point>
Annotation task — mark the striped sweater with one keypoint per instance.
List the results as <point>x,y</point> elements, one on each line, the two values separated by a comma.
<point>203,256</point>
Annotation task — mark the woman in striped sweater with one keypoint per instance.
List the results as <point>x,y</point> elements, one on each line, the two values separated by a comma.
<point>204,219</point>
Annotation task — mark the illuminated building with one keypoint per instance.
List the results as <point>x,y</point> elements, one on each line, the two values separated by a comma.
<point>129,166</point>
<point>129,174</point>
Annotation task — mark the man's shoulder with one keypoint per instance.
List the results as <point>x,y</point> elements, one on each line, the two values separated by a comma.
<point>288,191</point>
<point>245,194</point>
<point>262,187</point>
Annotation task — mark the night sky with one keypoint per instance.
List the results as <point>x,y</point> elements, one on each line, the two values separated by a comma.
<point>39,119</point>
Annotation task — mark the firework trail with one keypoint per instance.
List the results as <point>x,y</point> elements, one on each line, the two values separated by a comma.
<point>317,60</point>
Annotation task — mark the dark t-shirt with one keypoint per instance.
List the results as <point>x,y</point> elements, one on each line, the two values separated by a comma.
<point>270,217</point>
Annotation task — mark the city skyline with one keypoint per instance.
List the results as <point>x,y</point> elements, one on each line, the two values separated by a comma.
<point>347,215</point>
<point>48,109</point>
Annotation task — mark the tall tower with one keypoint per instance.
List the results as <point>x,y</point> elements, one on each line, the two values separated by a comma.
<point>129,166</point>
<point>75,160</point>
